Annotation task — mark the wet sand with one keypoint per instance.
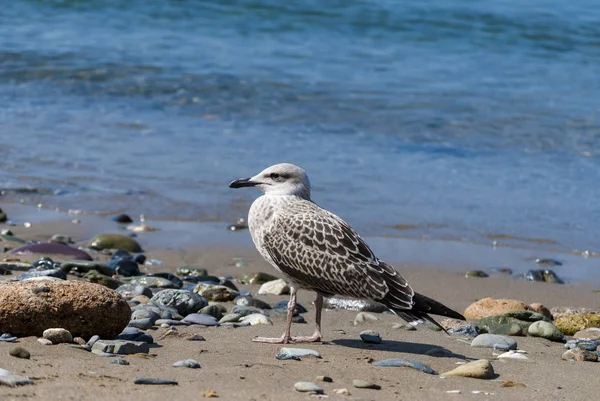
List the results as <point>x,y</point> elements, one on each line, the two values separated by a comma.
<point>238,369</point>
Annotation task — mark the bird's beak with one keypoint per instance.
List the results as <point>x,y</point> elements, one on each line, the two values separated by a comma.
<point>243,182</point>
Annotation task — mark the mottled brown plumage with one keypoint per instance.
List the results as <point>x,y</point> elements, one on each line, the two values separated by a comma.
<point>318,251</point>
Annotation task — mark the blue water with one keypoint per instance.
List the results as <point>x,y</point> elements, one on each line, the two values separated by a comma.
<point>457,119</point>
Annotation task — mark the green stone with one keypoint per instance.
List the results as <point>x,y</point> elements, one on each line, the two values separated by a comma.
<point>256,278</point>
<point>115,241</point>
<point>97,278</point>
<point>85,266</point>
<point>193,271</point>
<point>515,323</point>
<point>476,273</point>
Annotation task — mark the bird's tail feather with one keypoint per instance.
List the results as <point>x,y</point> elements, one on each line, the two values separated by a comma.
<point>422,307</point>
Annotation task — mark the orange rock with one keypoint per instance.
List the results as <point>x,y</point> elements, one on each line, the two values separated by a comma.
<point>539,308</point>
<point>27,308</point>
<point>493,307</point>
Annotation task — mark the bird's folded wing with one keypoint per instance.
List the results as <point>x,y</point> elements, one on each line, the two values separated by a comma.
<point>320,251</point>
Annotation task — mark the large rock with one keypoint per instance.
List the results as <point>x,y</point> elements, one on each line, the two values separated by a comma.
<point>492,307</point>
<point>27,308</point>
<point>184,301</point>
<point>115,241</point>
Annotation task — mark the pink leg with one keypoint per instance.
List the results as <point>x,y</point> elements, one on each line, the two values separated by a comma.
<point>317,336</point>
<point>286,337</point>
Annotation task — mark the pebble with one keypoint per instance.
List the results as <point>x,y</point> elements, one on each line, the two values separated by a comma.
<point>589,333</point>
<point>543,275</point>
<point>171,277</point>
<point>549,262</point>
<point>201,319</point>
<point>365,384</point>
<point>214,310</point>
<point>588,345</point>
<point>58,335</point>
<point>480,369</point>
<point>512,355</point>
<point>115,241</point>
<point>97,278</point>
<point>196,337</point>
<point>123,219</point>
<point>83,266</point>
<point>325,379</point>
<point>149,380</point>
<point>142,312</point>
<point>545,330</point>
<point>363,317</point>
<point>7,338</point>
<point>275,287</point>
<point>439,352</point>
<point>464,330</point>
<point>119,361</point>
<point>406,363</point>
<point>476,273</point>
<point>580,355</point>
<point>51,248</point>
<point>55,273</point>
<point>256,278</point>
<point>299,352</point>
<point>170,322</point>
<point>255,319</point>
<point>370,337</point>
<point>490,340</point>
<point>4,372</point>
<point>283,304</point>
<point>130,291</point>
<point>184,301</point>
<point>14,381</point>
<point>185,271</point>
<point>250,301</point>
<point>216,293</point>
<point>540,308</point>
<point>44,341</point>
<point>306,387</point>
<point>230,317</point>
<point>19,352</point>
<point>154,282</point>
<point>187,363</point>
<point>143,324</point>
<point>122,347</point>
<point>341,391</point>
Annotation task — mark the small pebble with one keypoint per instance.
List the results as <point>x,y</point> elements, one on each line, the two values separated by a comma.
<point>149,380</point>
<point>365,384</point>
<point>44,341</point>
<point>299,352</point>
<point>491,340</point>
<point>306,387</point>
<point>512,355</point>
<point>7,338</point>
<point>407,363</point>
<point>201,319</point>
<point>14,381</point>
<point>341,391</point>
<point>326,379</point>
<point>19,352</point>
<point>370,337</point>
<point>255,319</point>
<point>187,363</point>
<point>196,337</point>
<point>4,372</point>
<point>119,361</point>
<point>58,335</point>
<point>363,317</point>
<point>480,369</point>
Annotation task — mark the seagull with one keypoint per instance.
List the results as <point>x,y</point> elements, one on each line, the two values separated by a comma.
<point>316,250</point>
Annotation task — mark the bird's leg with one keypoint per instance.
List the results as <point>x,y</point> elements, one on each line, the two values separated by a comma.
<point>285,338</point>
<point>317,336</point>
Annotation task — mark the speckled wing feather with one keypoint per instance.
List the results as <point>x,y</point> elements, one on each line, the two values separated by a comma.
<point>319,251</point>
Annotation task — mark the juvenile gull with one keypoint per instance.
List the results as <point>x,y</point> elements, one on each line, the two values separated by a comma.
<point>318,251</point>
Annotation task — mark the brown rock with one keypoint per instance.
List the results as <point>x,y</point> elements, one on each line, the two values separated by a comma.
<point>591,333</point>
<point>492,307</point>
<point>480,369</point>
<point>580,355</point>
<point>539,308</point>
<point>27,308</point>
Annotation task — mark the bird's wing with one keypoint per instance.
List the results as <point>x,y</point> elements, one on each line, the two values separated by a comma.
<point>320,251</point>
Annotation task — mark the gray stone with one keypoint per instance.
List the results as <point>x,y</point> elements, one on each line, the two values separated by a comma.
<point>230,317</point>
<point>545,330</point>
<point>250,301</point>
<point>59,274</point>
<point>4,372</point>
<point>308,387</point>
<point>187,363</point>
<point>214,310</point>
<point>464,330</point>
<point>153,282</point>
<point>365,384</point>
<point>185,302</point>
<point>152,381</point>
<point>370,337</point>
<point>119,361</point>
<point>122,347</point>
<point>58,335</point>
<point>489,340</point>
<point>14,381</point>
<point>145,313</point>
<point>201,319</point>
<point>144,323</point>
<point>171,322</point>
<point>406,363</point>
<point>82,266</point>
<point>130,291</point>
<point>19,352</point>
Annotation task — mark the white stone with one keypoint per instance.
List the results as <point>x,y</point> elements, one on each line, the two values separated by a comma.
<point>256,318</point>
<point>512,355</point>
<point>275,287</point>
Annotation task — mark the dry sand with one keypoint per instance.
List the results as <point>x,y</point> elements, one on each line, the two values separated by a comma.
<point>238,369</point>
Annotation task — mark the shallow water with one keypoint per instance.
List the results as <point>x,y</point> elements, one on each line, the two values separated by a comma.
<point>464,120</point>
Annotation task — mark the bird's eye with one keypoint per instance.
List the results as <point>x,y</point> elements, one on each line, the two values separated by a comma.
<point>274,176</point>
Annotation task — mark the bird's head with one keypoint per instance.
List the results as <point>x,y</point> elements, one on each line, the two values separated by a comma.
<point>280,179</point>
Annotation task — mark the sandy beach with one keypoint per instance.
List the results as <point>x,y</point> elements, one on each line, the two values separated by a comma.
<point>238,369</point>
